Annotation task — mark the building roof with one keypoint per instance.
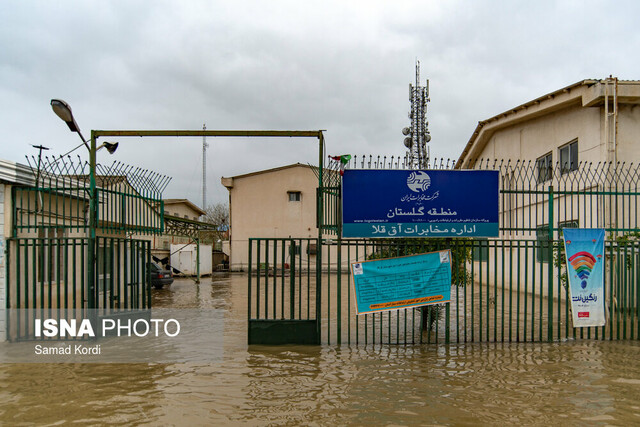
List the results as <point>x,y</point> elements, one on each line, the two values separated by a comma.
<point>587,93</point>
<point>15,173</point>
<point>184,202</point>
<point>228,181</point>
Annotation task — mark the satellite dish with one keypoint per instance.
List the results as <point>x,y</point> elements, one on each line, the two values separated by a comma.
<point>427,137</point>
<point>406,131</point>
<point>407,142</point>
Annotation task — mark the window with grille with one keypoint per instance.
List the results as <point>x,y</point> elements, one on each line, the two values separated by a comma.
<point>542,243</point>
<point>568,157</point>
<point>294,196</point>
<point>573,223</point>
<point>544,167</point>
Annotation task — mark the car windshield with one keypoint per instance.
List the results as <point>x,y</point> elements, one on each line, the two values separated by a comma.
<point>154,266</point>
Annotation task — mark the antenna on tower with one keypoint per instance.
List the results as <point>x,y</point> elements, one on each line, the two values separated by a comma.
<point>417,136</point>
<point>204,168</point>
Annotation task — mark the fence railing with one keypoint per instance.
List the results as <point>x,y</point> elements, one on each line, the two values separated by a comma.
<point>513,288</point>
<point>128,199</point>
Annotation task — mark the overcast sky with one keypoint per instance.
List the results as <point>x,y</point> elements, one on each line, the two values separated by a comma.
<point>341,66</point>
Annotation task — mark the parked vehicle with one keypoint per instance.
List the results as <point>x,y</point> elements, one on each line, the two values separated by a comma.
<point>160,276</point>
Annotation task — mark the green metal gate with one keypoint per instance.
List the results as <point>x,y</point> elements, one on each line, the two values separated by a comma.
<point>49,278</point>
<point>284,298</point>
<point>509,289</point>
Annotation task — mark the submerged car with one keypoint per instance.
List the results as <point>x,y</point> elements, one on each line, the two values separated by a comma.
<point>159,276</point>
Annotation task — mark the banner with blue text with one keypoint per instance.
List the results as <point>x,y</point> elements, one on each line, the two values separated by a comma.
<point>584,249</point>
<point>395,283</point>
<point>420,203</point>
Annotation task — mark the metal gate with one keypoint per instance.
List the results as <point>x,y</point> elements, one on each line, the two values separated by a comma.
<point>509,289</point>
<point>284,296</point>
<point>49,278</point>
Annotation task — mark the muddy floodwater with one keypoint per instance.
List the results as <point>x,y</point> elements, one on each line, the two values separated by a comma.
<point>567,383</point>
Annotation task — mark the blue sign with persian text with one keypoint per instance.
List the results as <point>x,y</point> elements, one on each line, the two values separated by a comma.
<point>420,203</point>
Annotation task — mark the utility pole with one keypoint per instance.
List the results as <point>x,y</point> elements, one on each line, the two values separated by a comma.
<point>204,168</point>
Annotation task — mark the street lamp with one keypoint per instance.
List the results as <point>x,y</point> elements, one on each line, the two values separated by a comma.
<point>63,110</point>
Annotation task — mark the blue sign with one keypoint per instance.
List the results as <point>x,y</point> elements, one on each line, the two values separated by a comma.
<point>420,203</point>
<point>395,283</point>
<point>584,248</point>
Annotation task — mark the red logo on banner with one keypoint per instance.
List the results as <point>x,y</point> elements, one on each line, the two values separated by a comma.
<point>582,314</point>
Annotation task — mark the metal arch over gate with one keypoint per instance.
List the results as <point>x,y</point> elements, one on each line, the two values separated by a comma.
<point>281,330</point>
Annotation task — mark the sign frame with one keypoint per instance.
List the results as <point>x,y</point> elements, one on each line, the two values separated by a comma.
<point>396,203</point>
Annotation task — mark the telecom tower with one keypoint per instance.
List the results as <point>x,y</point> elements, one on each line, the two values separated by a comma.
<point>417,136</point>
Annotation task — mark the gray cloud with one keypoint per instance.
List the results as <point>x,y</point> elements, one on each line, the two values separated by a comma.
<point>340,66</point>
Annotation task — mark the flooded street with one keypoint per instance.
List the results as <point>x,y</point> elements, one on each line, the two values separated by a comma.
<point>568,383</point>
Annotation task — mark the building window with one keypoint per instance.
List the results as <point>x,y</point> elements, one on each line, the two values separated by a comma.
<point>573,223</point>
<point>481,250</point>
<point>542,243</point>
<point>51,248</point>
<point>544,167</point>
<point>104,266</point>
<point>569,157</point>
<point>294,196</point>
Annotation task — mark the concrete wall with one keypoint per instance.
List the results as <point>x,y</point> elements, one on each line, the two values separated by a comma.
<point>532,139</point>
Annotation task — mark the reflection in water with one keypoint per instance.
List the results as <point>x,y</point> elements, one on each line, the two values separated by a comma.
<point>573,383</point>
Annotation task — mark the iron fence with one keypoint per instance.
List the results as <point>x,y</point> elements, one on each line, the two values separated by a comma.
<point>510,289</point>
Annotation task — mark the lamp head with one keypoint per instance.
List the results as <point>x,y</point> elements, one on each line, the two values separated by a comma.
<point>63,110</point>
<point>111,146</point>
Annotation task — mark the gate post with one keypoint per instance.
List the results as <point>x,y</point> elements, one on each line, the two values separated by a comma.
<point>338,208</point>
<point>550,269</point>
<point>197,260</point>
<point>320,203</point>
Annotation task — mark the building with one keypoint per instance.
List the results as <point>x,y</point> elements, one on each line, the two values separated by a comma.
<point>566,159</point>
<point>589,121</point>
<point>11,174</point>
<point>272,203</point>
<point>180,211</point>
<point>182,208</point>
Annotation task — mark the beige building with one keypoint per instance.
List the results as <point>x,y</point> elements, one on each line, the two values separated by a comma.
<point>577,143</point>
<point>588,121</point>
<point>273,203</point>
<point>181,210</point>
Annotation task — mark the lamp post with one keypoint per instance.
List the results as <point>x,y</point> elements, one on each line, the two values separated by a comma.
<point>63,110</point>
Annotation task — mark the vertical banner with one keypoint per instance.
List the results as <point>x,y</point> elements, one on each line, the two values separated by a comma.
<point>584,249</point>
<point>395,283</point>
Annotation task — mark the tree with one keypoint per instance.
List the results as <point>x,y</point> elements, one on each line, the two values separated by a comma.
<point>217,215</point>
